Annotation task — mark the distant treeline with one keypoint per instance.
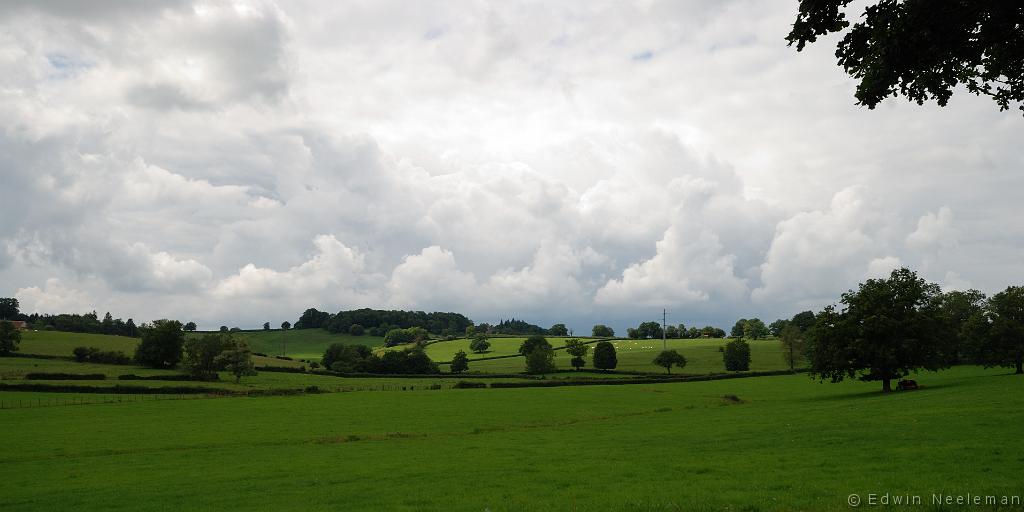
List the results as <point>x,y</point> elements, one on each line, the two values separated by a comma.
<point>377,322</point>
<point>89,323</point>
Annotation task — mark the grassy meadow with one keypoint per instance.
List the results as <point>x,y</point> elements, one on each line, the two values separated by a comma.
<point>787,443</point>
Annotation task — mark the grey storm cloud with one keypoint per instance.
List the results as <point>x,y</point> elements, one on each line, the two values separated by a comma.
<point>578,163</point>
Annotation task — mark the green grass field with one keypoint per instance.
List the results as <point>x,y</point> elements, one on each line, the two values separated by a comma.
<point>789,444</point>
<point>300,343</point>
<point>637,355</point>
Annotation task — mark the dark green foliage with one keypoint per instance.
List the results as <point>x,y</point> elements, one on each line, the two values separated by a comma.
<point>1003,337</point>
<point>9,308</point>
<point>10,338</point>
<point>378,322</point>
<point>355,330</point>
<point>403,336</point>
<point>776,327</point>
<point>540,360</point>
<point>286,325</point>
<point>236,359</point>
<point>578,350</point>
<point>737,328</point>
<point>803,320</point>
<point>754,329</point>
<point>516,327</point>
<point>412,361</point>
<point>224,328</point>
<point>602,331</point>
<point>793,345</point>
<point>266,326</point>
<point>649,330</point>
<point>191,326</point>
<point>736,356</point>
<point>558,330</point>
<point>201,353</point>
<point>712,332</point>
<point>88,323</point>
<point>887,329</point>
<point>694,333</point>
<point>161,344</point>
<point>313,319</point>
<point>479,343</point>
<point>604,356</point>
<point>632,333</point>
<point>95,355</point>
<point>669,358</point>
<point>466,384</point>
<point>172,378</point>
<point>349,357</point>
<point>671,332</point>
<point>460,362</point>
<point>533,343</point>
<point>959,311</point>
<point>923,49</point>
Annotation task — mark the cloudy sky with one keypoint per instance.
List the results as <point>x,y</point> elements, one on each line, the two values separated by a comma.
<point>574,162</point>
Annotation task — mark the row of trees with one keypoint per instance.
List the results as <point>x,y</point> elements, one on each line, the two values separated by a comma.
<point>653,330</point>
<point>164,345</point>
<point>360,359</point>
<point>376,322</point>
<point>891,327</point>
<point>85,323</point>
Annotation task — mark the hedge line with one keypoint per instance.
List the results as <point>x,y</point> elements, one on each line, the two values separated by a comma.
<point>647,380</point>
<point>64,376</point>
<point>181,377</point>
<point>118,389</point>
<point>282,369</point>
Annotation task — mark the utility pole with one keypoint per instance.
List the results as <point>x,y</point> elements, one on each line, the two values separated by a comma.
<point>664,343</point>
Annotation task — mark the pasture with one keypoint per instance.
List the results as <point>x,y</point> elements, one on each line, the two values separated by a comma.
<point>786,443</point>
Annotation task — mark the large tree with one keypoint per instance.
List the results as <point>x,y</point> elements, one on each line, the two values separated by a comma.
<point>649,330</point>
<point>803,320</point>
<point>9,308</point>
<point>200,354</point>
<point>237,359</point>
<point>540,360</point>
<point>460,362</point>
<point>479,343</point>
<point>533,343</point>
<point>923,49</point>
<point>558,330</point>
<point>604,356</point>
<point>10,337</point>
<point>602,331</point>
<point>792,341</point>
<point>161,344</point>
<point>754,329</point>
<point>959,309</point>
<point>885,330</point>
<point>737,328</point>
<point>1003,344</point>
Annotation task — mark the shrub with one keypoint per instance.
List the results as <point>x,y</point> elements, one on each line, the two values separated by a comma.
<point>284,358</point>
<point>737,356</point>
<point>604,356</point>
<point>356,330</point>
<point>95,355</point>
<point>533,343</point>
<point>540,360</point>
<point>465,384</point>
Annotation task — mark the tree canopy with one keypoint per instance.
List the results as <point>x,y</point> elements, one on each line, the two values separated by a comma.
<point>1003,343</point>
<point>604,356</point>
<point>161,344</point>
<point>923,49</point>
<point>669,358</point>
<point>10,337</point>
<point>886,329</point>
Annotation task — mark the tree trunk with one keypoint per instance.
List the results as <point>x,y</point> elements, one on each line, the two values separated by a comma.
<point>886,386</point>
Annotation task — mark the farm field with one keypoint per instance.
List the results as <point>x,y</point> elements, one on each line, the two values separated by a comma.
<point>794,444</point>
<point>637,355</point>
<point>299,343</point>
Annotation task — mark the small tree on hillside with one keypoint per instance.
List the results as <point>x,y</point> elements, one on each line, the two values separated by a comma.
<point>754,329</point>
<point>669,358</point>
<point>792,344</point>
<point>161,344</point>
<point>604,356</point>
<point>540,360</point>
<point>776,327</point>
<point>237,359</point>
<point>578,350</point>
<point>266,326</point>
<point>10,338</point>
<point>737,356</point>
<point>602,331</point>
<point>558,330</point>
<point>286,325</point>
<point>533,343</point>
<point>190,327</point>
<point>479,343</point>
<point>460,362</point>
